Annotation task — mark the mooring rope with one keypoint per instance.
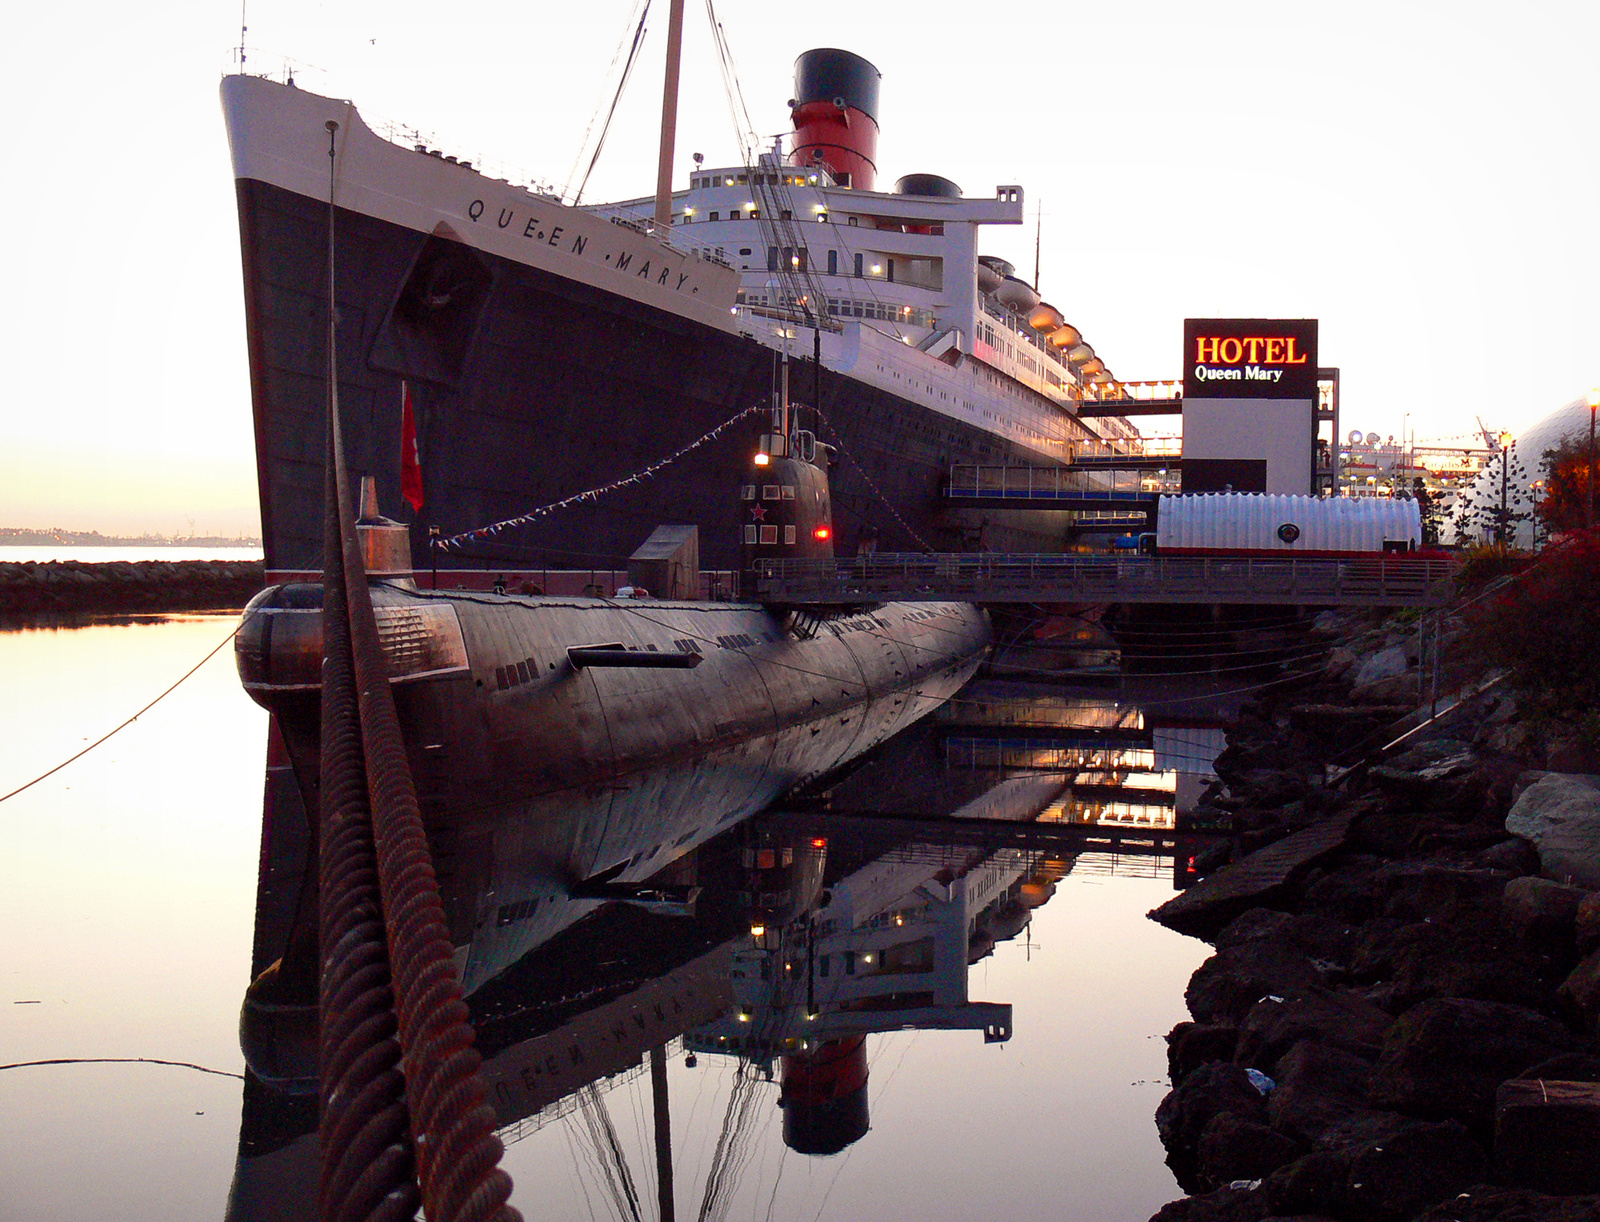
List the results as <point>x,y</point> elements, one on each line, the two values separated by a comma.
<point>404,1107</point>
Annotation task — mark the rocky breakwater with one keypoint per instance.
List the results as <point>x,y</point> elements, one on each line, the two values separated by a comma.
<point>1400,1018</point>
<point>75,587</point>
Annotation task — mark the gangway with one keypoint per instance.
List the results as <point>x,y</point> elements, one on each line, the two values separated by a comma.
<point>1110,485</point>
<point>998,578</point>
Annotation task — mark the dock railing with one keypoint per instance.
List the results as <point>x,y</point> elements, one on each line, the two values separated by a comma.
<point>992,577</point>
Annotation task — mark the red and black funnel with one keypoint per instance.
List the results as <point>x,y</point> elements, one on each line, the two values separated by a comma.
<point>835,114</point>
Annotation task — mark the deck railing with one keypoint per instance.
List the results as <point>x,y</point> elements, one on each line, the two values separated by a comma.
<point>1004,578</point>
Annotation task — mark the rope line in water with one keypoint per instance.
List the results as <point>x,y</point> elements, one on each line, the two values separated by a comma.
<point>232,632</point>
<point>221,1073</point>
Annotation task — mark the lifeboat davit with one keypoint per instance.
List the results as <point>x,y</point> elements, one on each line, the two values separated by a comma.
<point>1045,317</point>
<point>1018,294</point>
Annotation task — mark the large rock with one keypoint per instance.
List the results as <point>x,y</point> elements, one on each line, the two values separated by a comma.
<point>1207,1092</point>
<point>1546,1134</point>
<point>1233,1148</point>
<point>1318,1086</point>
<point>1335,1017</point>
<point>1226,985</point>
<point>1444,1059</point>
<point>1256,880</point>
<point>1191,1045</point>
<point>1541,910</point>
<point>1483,1203</point>
<point>1223,1205</point>
<point>1421,1165</point>
<point>1560,814</point>
<point>1585,921</point>
<point>1580,991</point>
<point>1387,663</point>
<point>1310,1185</point>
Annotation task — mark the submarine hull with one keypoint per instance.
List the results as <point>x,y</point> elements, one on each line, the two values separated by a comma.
<point>537,771</point>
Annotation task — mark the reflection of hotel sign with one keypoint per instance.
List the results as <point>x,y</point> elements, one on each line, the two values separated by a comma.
<point>1249,358</point>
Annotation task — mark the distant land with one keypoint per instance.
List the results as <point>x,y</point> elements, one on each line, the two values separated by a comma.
<point>22,536</point>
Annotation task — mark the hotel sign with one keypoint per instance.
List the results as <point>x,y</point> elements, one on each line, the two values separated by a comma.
<point>1249,358</point>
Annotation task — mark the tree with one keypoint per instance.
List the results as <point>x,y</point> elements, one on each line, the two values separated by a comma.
<point>1566,467</point>
<point>1428,507</point>
<point>1493,511</point>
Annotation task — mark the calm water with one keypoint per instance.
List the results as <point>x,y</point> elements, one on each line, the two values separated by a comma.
<point>128,892</point>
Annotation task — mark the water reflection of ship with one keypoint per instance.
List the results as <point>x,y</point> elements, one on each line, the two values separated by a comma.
<point>596,987</point>
<point>884,947</point>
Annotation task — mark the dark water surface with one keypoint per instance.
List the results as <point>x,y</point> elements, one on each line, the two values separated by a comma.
<point>128,895</point>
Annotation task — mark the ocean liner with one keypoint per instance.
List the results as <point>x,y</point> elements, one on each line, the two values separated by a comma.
<point>547,349</point>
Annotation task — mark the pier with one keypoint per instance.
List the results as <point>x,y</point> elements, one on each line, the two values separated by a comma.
<point>997,578</point>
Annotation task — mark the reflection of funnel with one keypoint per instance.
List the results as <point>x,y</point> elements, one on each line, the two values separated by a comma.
<point>835,114</point>
<point>825,1096</point>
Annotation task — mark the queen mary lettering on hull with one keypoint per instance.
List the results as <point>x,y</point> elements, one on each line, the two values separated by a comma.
<point>549,349</point>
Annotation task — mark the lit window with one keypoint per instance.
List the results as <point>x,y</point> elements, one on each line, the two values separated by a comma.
<point>788,492</point>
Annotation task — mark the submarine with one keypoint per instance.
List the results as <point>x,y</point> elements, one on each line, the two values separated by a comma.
<point>574,746</point>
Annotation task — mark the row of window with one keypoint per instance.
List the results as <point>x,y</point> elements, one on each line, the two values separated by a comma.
<point>847,307</point>
<point>759,178</point>
<point>767,534</point>
<point>769,492</point>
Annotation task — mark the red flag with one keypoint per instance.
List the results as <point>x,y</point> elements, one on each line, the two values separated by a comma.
<point>410,460</point>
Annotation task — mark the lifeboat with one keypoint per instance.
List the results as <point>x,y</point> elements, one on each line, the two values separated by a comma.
<point>1045,317</point>
<point>992,273</point>
<point>1066,336</point>
<point>1018,294</point>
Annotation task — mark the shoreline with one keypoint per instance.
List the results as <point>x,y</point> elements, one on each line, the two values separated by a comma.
<point>78,587</point>
<point>1398,1022</point>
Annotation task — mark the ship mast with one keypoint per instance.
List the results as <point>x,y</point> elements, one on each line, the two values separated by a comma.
<point>669,119</point>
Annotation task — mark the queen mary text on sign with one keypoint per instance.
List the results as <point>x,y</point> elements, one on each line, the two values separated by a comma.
<point>1250,358</point>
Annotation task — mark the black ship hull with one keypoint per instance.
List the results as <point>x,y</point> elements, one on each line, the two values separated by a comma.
<point>529,387</point>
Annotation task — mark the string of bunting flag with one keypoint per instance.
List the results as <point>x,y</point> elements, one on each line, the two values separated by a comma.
<point>594,494</point>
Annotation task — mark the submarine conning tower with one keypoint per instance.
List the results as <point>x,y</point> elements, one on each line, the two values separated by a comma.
<point>785,510</point>
<point>835,115</point>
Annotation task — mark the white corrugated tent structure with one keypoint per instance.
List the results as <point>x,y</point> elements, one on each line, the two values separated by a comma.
<point>1258,522</point>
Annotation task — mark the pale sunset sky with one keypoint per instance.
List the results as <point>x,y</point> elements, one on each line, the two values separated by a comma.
<point>1424,178</point>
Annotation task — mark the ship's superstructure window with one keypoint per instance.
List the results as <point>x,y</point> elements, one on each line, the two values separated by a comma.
<point>750,533</point>
<point>747,493</point>
<point>786,215</point>
<point>744,250</point>
<point>769,492</point>
<point>788,534</point>
<point>772,258</point>
<point>716,216</point>
<point>788,492</point>
<point>769,534</point>
<point>858,265</point>
<point>833,263</point>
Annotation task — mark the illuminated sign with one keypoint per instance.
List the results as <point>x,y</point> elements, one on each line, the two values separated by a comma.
<point>1249,358</point>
